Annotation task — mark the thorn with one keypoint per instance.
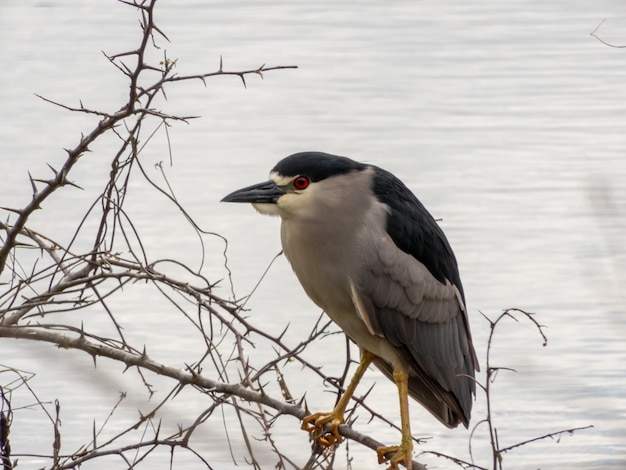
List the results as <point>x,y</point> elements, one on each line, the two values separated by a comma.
<point>69,183</point>
<point>190,369</point>
<point>52,168</point>
<point>280,336</point>
<point>243,79</point>
<point>259,71</point>
<point>302,403</point>
<point>221,63</point>
<point>93,432</point>
<point>32,183</point>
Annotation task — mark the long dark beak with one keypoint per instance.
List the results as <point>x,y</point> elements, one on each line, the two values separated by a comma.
<point>267,192</point>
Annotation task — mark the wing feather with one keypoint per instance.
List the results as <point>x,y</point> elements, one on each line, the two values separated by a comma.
<point>399,299</point>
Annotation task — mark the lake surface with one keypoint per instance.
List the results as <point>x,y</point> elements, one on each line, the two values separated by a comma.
<point>507,119</point>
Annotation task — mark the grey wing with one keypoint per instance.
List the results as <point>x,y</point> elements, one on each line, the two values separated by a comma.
<point>425,319</point>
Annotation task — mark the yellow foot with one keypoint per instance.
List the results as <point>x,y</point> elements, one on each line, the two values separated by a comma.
<point>315,424</point>
<point>402,454</point>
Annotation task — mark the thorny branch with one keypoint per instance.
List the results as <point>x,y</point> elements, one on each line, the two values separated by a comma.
<point>65,280</point>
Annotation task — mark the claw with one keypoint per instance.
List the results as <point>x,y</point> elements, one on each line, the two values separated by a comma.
<point>402,454</point>
<point>315,424</point>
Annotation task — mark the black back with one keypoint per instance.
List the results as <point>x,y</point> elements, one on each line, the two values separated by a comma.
<point>414,230</point>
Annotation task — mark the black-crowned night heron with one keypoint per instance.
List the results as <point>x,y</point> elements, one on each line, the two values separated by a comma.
<point>371,256</point>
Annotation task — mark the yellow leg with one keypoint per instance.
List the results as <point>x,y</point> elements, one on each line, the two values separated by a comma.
<point>315,423</point>
<point>403,452</point>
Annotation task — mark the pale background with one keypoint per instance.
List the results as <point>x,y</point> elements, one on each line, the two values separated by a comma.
<point>507,119</point>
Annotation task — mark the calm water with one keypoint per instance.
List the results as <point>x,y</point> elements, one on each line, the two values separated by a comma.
<point>507,120</point>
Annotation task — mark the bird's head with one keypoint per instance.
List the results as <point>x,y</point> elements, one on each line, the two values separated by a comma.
<point>299,184</point>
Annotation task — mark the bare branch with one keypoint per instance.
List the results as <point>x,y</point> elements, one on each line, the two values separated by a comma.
<point>593,34</point>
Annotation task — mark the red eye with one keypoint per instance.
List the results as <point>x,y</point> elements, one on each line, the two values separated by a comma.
<point>301,182</point>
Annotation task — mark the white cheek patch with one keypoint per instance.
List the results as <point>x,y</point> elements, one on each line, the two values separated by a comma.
<point>266,209</point>
<point>288,204</point>
<point>303,202</point>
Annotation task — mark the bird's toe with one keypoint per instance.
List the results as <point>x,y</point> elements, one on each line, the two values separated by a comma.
<point>315,425</point>
<point>394,455</point>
